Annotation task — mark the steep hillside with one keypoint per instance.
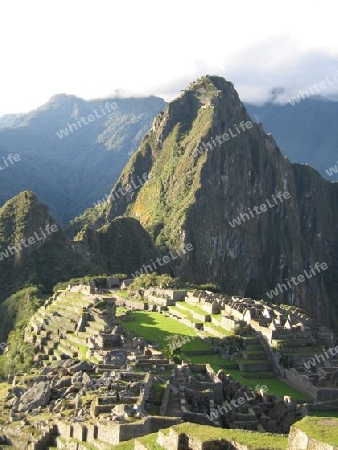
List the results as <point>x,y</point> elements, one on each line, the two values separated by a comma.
<point>118,247</point>
<point>33,249</point>
<point>208,164</point>
<point>71,150</point>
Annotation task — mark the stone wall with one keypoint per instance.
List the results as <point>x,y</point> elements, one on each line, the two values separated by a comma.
<point>160,301</point>
<point>278,369</point>
<point>228,323</point>
<point>175,441</point>
<point>131,304</point>
<point>109,340</point>
<point>324,394</point>
<point>165,399</point>
<point>145,391</point>
<point>81,288</point>
<point>298,440</point>
<point>301,382</point>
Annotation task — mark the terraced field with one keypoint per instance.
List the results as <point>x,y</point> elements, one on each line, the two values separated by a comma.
<point>251,368</point>
<point>54,328</point>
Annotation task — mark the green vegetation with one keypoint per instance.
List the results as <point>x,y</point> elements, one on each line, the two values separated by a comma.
<point>157,327</point>
<point>175,172</point>
<point>275,385</point>
<point>324,429</point>
<point>17,309</point>
<point>253,440</point>
<point>88,217</point>
<point>41,264</point>
<point>15,313</point>
<point>149,442</point>
<point>153,279</point>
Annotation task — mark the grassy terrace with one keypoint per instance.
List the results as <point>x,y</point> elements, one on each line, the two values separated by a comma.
<point>324,429</point>
<point>253,440</point>
<point>219,329</point>
<point>156,327</point>
<point>182,312</point>
<point>275,385</point>
<point>194,308</point>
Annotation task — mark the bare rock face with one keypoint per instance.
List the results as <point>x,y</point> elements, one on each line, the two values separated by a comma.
<point>37,395</point>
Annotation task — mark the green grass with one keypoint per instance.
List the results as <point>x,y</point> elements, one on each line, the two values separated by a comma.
<point>83,352</point>
<point>184,313</point>
<point>194,308</point>
<point>219,329</point>
<point>158,391</point>
<point>121,310</point>
<point>124,294</point>
<point>253,440</point>
<point>275,385</point>
<point>324,429</point>
<point>155,326</point>
<point>127,445</point>
<point>149,441</point>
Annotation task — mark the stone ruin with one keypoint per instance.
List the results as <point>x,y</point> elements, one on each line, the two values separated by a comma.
<point>103,400</point>
<point>207,398</point>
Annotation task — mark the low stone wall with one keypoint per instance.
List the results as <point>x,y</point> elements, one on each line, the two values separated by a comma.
<point>214,332</point>
<point>175,441</point>
<point>160,301</point>
<point>165,294</point>
<point>301,382</point>
<point>201,317</point>
<point>257,367</point>
<point>228,323</point>
<point>278,369</point>
<point>198,326</point>
<point>144,394</point>
<point>81,288</point>
<point>301,441</point>
<point>324,394</point>
<point>22,440</point>
<point>131,304</point>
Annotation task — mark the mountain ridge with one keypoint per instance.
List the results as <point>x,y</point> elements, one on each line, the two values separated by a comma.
<point>72,173</point>
<point>191,200</point>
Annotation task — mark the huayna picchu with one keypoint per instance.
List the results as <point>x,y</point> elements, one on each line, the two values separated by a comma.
<point>220,201</point>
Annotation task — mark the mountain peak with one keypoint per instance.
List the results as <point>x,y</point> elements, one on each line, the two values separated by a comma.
<point>62,98</point>
<point>207,164</point>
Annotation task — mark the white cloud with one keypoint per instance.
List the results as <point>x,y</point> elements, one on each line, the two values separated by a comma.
<point>90,49</point>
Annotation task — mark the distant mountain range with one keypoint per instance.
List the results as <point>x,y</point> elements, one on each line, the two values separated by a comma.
<point>72,151</point>
<point>307,132</point>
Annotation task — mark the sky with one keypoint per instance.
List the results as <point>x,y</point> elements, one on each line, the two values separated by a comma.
<point>95,49</point>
